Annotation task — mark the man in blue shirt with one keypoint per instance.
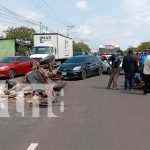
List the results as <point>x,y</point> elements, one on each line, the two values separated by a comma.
<point>143,57</point>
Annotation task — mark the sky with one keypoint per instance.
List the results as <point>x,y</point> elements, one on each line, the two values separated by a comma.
<point>96,22</point>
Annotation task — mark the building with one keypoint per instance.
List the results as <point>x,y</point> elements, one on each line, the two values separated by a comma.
<point>9,47</point>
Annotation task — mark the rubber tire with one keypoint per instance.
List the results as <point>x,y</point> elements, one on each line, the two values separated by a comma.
<point>11,74</point>
<point>59,87</point>
<point>83,75</point>
<point>100,71</point>
<point>108,71</point>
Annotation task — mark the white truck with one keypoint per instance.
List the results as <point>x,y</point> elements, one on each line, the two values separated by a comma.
<point>52,44</point>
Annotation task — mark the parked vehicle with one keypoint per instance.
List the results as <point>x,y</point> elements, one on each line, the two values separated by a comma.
<point>79,53</point>
<point>52,44</point>
<point>12,66</point>
<point>81,67</point>
<point>106,66</point>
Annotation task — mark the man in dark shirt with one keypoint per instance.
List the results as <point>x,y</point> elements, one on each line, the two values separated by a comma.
<point>115,59</point>
<point>130,67</point>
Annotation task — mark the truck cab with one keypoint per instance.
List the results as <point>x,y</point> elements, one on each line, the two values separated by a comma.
<point>40,52</point>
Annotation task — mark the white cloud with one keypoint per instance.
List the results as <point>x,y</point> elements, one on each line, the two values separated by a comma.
<point>31,15</point>
<point>35,17</point>
<point>129,29</point>
<point>136,6</point>
<point>26,13</point>
<point>106,30</point>
<point>2,28</point>
<point>82,5</point>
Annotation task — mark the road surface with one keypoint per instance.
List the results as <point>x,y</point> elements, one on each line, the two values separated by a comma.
<point>94,118</point>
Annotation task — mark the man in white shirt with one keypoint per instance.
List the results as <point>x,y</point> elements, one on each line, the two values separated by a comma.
<point>146,73</point>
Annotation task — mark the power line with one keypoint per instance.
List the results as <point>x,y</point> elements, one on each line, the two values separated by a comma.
<point>45,11</point>
<point>4,22</point>
<point>15,14</point>
<point>49,8</point>
<point>12,15</point>
<point>13,18</point>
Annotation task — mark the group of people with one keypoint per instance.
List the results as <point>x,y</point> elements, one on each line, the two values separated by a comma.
<point>136,69</point>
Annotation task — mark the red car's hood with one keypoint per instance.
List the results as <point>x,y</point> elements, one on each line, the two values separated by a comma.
<point>4,64</point>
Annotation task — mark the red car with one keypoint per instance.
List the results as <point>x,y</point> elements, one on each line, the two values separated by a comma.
<point>11,66</point>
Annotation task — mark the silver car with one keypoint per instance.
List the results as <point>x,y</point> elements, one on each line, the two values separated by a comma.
<point>105,64</point>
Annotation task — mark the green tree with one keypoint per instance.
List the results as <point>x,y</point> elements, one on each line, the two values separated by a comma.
<point>22,32</point>
<point>143,46</point>
<point>80,47</point>
<point>22,49</point>
<point>135,49</point>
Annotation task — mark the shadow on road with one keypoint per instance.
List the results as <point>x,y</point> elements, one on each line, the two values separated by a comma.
<point>135,92</point>
<point>99,87</point>
<point>121,90</point>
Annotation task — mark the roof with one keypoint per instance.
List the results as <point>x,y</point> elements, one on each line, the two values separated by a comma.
<point>84,56</point>
<point>15,56</point>
<point>52,34</point>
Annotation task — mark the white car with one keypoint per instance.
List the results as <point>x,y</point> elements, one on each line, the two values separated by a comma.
<point>106,66</point>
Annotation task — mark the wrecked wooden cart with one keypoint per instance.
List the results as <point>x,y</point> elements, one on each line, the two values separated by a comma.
<point>41,85</point>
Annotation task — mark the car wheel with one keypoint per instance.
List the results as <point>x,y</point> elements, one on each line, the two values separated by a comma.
<point>83,75</point>
<point>108,71</point>
<point>11,74</point>
<point>100,71</point>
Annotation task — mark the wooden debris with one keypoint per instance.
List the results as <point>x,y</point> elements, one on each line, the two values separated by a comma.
<point>40,84</point>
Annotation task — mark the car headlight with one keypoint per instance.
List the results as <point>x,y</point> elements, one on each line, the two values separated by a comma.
<point>77,68</point>
<point>3,67</point>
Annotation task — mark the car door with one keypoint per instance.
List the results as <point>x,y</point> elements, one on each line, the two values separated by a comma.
<point>98,64</point>
<point>95,65</point>
<point>25,61</point>
<point>90,65</point>
<point>105,65</point>
<point>22,65</point>
<point>17,66</point>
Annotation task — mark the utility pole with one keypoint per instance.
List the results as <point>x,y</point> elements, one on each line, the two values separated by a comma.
<point>69,28</point>
<point>46,29</point>
<point>40,27</point>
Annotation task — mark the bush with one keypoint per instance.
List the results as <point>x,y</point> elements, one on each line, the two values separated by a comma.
<point>22,49</point>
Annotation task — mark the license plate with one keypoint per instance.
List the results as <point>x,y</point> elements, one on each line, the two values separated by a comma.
<point>64,73</point>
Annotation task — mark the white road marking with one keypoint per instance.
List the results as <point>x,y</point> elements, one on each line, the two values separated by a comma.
<point>32,146</point>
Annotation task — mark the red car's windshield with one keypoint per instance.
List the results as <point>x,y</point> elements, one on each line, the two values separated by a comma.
<point>8,60</point>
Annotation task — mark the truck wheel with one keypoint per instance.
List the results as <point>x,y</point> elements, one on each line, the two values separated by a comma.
<point>11,74</point>
<point>83,75</point>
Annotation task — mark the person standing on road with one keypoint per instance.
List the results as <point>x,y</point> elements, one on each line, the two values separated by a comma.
<point>130,67</point>
<point>137,58</point>
<point>146,75</point>
<point>115,59</point>
<point>142,58</point>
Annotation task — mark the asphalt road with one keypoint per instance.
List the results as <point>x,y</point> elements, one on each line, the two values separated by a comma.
<point>94,119</point>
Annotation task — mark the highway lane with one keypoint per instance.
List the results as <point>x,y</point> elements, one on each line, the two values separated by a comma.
<point>94,118</point>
